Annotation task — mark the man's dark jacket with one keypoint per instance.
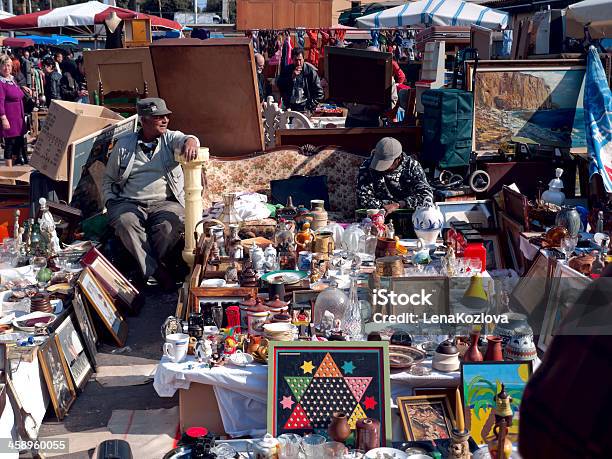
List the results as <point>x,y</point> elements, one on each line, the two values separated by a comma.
<point>313,91</point>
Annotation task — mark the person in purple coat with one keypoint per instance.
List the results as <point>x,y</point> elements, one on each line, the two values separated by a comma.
<point>12,121</point>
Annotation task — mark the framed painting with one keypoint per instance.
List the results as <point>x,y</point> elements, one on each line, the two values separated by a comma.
<point>73,352</point>
<point>115,283</point>
<point>354,376</point>
<point>426,417</point>
<point>88,332</point>
<point>480,382</point>
<point>495,260</point>
<point>480,213</point>
<point>566,287</point>
<point>57,377</point>
<point>102,303</point>
<point>535,101</point>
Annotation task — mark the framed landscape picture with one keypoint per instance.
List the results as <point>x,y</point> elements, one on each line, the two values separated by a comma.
<point>426,417</point>
<point>73,351</point>
<point>57,377</point>
<point>480,383</point>
<point>308,381</point>
<point>103,305</point>
<point>538,101</point>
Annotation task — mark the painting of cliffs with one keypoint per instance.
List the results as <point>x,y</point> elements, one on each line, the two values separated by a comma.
<point>542,105</point>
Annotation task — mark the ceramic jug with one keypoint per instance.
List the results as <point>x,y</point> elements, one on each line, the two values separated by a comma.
<point>339,429</point>
<point>473,354</point>
<point>494,349</point>
<point>257,257</point>
<point>266,448</point>
<point>270,258</point>
<point>323,243</point>
<point>319,214</point>
<point>428,220</point>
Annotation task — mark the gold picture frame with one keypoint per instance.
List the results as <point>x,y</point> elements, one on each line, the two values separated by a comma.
<point>103,304</point>
<point>426,417</point>
<point>57,376</point>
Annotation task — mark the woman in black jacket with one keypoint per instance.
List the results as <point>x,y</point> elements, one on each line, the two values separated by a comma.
<point>52,81</point>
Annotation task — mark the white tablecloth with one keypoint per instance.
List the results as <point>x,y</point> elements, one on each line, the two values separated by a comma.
<point>242,392</point>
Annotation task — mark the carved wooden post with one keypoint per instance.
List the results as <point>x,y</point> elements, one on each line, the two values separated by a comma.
<point>193,200</point>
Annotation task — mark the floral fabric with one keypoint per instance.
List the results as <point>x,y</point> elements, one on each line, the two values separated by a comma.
<point>255,174</point>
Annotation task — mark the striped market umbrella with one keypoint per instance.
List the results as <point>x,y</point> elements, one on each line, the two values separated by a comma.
<point>435,13</point>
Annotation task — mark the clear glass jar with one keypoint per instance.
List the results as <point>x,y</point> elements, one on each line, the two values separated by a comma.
<point>352,323</point>
<point>351,238</point>
<point>330,306</point>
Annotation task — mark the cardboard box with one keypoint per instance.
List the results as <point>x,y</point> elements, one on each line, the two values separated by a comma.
<point>198,407</point>
<point>66,123</point>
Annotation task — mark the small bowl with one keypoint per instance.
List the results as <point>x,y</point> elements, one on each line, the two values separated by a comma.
<point>278,327</point>
<point>241,359</point>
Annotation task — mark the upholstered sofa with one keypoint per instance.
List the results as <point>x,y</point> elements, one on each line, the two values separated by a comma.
<point>254,173</point>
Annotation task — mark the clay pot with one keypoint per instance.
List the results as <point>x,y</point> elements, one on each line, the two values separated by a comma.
<point>339,429</point>
<point>555,235</point>
<point>385,247</point>
<point>494,349</point>
<point>319,214</point>
<point>473,354</point>
<point>569,218</point>
<point>368,434</point>
<point>582,263</point>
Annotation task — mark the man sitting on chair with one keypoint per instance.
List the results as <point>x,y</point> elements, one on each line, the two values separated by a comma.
<point>143,189</point>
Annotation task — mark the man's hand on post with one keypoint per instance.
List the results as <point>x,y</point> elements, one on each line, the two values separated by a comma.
<point>190,149</point>
<point>391,207</point>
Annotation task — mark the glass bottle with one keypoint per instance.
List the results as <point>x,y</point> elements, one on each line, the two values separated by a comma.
<point>36,241</point>
<point>599,227</point>
<point>352,321</point>
<point>598,264</point>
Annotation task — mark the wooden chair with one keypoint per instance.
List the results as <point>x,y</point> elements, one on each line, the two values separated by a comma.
<point>122,102</point>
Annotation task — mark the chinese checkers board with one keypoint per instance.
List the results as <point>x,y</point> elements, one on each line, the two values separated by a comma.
<point>308,381</point>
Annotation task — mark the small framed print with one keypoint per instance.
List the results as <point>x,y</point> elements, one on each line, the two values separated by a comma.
<point>90,338</point>
<point>302,307</point>
<point>73,351</point>
<point>426,417</point>
<point>495,260</point>
<point>104,307</point>
<point>57,377</point>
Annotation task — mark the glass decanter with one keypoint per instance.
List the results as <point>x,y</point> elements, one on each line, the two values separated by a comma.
<point>352,321</point>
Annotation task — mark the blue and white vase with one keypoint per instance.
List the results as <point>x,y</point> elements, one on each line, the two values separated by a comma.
<point>428,221</point>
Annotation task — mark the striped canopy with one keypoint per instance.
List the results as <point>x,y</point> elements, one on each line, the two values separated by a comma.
<point>435,13</point>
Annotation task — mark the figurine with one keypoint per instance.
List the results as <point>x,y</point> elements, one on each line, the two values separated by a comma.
<point>327,322</point>
<point>378,221</point>
<point>47,227</point>
<point>390,234</point>
<point>203,351</point>
<point>16,229</point>
<point>304,238</point>
<point>270,259</point>
<point>249,277</point>
<point>503,406</point>
<point>257,257</point>
<point>235,249</point>
<point>231,273</point>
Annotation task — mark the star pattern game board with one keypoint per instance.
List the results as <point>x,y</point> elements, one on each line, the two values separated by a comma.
<point>308,381</point>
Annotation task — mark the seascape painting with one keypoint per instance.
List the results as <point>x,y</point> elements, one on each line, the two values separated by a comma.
<point>544,106</point>
<point>481,381</point>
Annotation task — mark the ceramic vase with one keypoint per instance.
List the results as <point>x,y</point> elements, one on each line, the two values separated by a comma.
<point>229,215</point>
<point>569,218</point>
<point>368,434</point>
<point>473,354</point>
<point>506,331</point>
<point>319,214</point>
<point>521,345</point>
<point>385,247</point>
<point>494,349</point>
<point>554,195</point>
<point>339,429</point>
<point>428,221</point>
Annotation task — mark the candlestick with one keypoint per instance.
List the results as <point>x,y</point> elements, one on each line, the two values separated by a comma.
<point>460,422</point>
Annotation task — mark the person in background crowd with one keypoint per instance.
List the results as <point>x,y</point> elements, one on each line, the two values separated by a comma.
<point>52,81</point>
<point>68,64</point>
<point>265,89</point>
<point>391,179</point>
<point>143,190</point>
<point>11,113</point>
<point>26,67</point>
<point>59,59</point>
<point>71,84</point>
<point>299,84</point>
<point>398,73</point>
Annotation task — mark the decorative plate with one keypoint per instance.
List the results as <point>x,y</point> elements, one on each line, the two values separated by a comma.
<point>403,357</point>
<point>284,277</point>
<point>29,322</point>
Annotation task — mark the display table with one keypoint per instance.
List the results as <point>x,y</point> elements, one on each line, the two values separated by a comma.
<point>242,393</point>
